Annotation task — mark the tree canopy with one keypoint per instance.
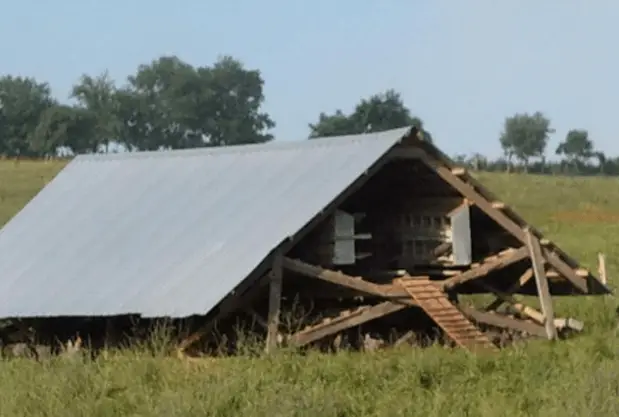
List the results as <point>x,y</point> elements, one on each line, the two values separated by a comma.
<point>525,136</point>
<point>166,104</point>
<point>374,114</point>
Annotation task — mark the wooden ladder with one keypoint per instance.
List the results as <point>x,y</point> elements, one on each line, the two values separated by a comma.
<point>448,317</point>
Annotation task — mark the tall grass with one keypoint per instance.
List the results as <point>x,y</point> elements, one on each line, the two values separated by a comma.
<point>577,377</point>
<point>573,378</point>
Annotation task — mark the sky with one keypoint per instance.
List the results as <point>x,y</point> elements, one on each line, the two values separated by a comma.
<point>462,66</point>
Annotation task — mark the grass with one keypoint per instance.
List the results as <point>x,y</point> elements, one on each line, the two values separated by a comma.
<point>576,377</point>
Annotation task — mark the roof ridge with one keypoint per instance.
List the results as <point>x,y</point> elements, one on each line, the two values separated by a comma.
<point>272,146</point>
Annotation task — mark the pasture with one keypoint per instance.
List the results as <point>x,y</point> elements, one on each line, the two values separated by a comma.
<point>576,377</point>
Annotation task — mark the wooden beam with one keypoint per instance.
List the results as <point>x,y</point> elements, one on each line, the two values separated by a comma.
<point>469,192</point>
<point>569,323</point>
<point>275,301</point>
<point>347,320</point>
<point>393,292</point>
<point>504,322</point>
<point>499,262</point>
<point>543,290</point>
<point>602,268</point>
<point>521,308</point>
<point>524,278</point>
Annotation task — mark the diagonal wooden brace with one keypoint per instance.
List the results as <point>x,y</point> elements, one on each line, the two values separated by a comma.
<point>392,292</point>
<point>485,268</point>
<point>345,321</point>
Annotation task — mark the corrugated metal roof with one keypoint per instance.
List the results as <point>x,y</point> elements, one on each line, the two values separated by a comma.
<point>168,233</point>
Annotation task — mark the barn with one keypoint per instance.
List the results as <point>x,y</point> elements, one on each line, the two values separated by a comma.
<point>375,234</point>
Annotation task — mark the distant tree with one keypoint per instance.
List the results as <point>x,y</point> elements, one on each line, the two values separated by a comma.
<point>171,104</point>
<point>601,157</point>
<point>525,136</point>
<point>377,113</point>
<point>23,101</point>
<point>62,126</point>
<point>97,97</point>
<point>336,124</point>
<point>577,148</point>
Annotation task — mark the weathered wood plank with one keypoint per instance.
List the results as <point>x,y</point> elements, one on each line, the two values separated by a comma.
<point>346,321</point>
<point>393,292</point>
<point>602,268</point>
<point>543,290</point>
<point>504,322</point>
<point>491,264</point>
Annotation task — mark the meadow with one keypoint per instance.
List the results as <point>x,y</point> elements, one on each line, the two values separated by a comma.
<point>576,377</point>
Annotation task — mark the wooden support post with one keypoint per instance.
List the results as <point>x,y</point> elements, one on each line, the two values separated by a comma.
<point>602,268</point>
<point>541,280</point>
<point>275,297</point>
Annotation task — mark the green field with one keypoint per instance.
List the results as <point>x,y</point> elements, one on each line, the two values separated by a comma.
<point>577,377</point>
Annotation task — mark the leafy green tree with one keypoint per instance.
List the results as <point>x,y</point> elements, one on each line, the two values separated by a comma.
<point>577,148</point>
<point>171,104</point>
<point>23,101</point>
<point>377,113</point>
<point>525,136</point>
<point>236,96</point>
<point>97,104</point>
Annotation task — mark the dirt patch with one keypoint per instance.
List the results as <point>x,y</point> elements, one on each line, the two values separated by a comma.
<point>587,216</point>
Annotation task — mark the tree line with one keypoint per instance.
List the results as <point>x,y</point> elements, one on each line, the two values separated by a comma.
<point>170,104</point>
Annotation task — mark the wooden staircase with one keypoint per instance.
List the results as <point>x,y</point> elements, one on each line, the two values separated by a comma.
<point>449,318</point>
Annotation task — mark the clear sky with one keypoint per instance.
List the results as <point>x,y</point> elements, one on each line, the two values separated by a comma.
<point>462,66</point>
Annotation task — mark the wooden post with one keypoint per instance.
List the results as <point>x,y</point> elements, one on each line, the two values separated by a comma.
<point>275,297</point>
<point>535,251</point>
<point>602,268</point>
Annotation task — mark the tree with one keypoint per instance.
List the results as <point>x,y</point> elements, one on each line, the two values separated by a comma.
<point>525,136</point>
<point>23,101</point>
<point>577,148</point>
<point>171,104</point>
<point>236,96</point>
<point>378,113</point>
<point>96,98</point>
<point>336,124</point>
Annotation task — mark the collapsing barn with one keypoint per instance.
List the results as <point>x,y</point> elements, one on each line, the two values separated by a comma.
<point>379,232</point>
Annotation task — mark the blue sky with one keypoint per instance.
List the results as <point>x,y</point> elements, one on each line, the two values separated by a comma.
<point>462,66</point>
